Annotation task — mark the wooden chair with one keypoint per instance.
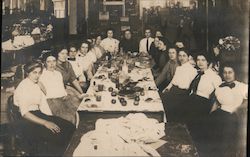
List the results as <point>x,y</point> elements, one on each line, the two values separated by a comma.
<point>17,141</point>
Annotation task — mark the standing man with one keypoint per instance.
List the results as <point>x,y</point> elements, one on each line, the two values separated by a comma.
<point>146,42</point>
<point>110,44</point>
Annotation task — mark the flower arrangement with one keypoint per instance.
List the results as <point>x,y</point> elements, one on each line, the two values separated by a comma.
<point>229,43</point>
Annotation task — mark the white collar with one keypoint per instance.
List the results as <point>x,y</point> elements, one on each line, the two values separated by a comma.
<point>186,64</point>
<point>50,72</point>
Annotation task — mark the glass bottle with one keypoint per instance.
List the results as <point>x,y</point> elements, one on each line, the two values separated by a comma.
<point>125,67</point>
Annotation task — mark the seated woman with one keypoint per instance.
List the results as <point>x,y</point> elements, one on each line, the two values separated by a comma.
<point>175,95</point>
<point>224,129</point>
<point>86,59</point>
<point>99,49</point>
<point>154,51</point>
<point>37,127</point>
<point>168,71</point>
<point>77,67</point>
<point>59,102</point>
<point>69,77</point>
<point>92,54</point>
<point>158,33</point>
<point>128,43</point>
<point>91,51</point>
<point>201,91</point>
<point>110,44</point>
<point>163,53</point>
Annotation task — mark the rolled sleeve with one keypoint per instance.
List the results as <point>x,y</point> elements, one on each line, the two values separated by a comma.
<point>23,102</point>
<point>217,81</point>
<point>244,91</point>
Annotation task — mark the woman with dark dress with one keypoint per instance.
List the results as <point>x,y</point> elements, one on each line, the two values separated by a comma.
<point>201,92</point>
<point>69,78</point>
<point>45,135</point>
<point>163,53</point>
<point>167,73</point>
<point>175,95</point>
<point>224,129</point>
<point>154,51</point>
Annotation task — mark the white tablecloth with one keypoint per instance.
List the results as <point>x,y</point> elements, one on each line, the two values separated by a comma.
<point>19,43</point>
<point>105,104</point>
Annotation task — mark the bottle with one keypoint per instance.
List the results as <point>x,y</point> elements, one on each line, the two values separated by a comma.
<point>109,56</point>
<point>121,51</point>
<point>125,67</point>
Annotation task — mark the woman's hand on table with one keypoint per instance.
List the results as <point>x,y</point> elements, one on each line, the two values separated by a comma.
<point>52,126</point>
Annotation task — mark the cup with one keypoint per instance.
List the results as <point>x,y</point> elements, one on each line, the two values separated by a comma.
<point>137,63</point>
<point>100,87</point>
<point>109,65</point>
<point>98,98</point>
<point>109,75</point>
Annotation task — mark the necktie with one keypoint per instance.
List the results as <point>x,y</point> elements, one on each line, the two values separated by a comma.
<point>226,84</point>
<point>147,44</point>
<point>194,84</point>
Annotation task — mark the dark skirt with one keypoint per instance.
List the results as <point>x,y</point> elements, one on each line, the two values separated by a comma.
<point>41,141</point>
<point>175,104</point>
<point>197,117</point>
<point>223,133</point>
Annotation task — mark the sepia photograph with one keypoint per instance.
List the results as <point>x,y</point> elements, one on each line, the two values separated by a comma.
<point>149,78</point>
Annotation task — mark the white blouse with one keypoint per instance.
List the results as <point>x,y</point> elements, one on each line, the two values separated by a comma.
<point>53,83</point>
<point>208,83</point>
<point>91,54</point>
<point>78,69</point>
<point>184,75</point>
<point>231,99</point>
<point>36,31</point>
<point>110,44</point>
<point>98,52</point>
<point>29,97</point>
<point>85,60</point>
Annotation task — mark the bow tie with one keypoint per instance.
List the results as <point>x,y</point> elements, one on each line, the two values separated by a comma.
<point>71,59</point>
<point>230,85</point>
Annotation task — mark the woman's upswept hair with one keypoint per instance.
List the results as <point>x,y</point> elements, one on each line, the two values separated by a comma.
<point>29,67</point>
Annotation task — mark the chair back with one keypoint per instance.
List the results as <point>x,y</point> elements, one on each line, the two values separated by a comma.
<point>13,110</point>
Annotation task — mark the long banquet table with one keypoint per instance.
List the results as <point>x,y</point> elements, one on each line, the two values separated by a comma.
<point>20,56</point>
<point>150,102</point>
<point>178,141</point>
